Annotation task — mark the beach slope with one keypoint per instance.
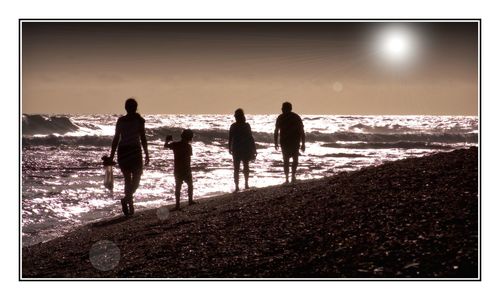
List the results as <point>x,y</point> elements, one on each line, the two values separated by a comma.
<point>413,218</point>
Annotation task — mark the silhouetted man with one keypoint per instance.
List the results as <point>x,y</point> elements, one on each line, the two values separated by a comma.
<point>290,129</point>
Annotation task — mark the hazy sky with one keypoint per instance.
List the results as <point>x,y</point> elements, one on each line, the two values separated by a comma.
<point>216,67</point>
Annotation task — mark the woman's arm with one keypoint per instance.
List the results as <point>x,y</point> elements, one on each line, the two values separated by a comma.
<point>254,148</point>
<point>230,142</point>
<point>116,140</point>
<point>144,143</point>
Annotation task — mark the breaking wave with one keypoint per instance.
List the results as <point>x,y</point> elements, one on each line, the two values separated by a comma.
<point>40,124</point>
<point>61,130</point>
<point>336,140</point>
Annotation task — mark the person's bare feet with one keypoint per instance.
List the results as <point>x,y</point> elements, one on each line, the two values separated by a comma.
<point>131,206</point>
<point>124,206</point>
<point>177,207</point>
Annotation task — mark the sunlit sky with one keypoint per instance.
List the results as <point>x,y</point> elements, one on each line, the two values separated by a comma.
<point>216,67</point>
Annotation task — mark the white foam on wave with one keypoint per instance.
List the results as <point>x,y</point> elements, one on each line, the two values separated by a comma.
<point>62,173</point>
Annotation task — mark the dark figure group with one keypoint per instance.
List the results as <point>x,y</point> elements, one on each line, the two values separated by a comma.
<point>130,136</point>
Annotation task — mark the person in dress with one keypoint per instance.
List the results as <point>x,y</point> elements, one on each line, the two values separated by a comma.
<point>129,136</point>
<point>241,146</point>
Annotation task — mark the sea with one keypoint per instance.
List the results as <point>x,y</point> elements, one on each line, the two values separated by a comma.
<point>62,174</point>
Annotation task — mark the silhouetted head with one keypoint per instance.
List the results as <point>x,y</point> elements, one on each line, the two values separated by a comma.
<point>239,115</point>
<point>187,135</point>
<point>286,107</point>
<point>131,106</point>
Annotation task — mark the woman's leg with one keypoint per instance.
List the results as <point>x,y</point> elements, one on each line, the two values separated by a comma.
<point>127,175</point>
<point>236,165</point>
<point>246,172</point>
<point>136,179</point>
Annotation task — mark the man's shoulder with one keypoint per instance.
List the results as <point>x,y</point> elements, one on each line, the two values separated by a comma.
<point>138,117</point>
<point>182,145</point>
<point>174,145</point>
<point>296,117</point>
<point>128,118</point>
<point>289,116</point>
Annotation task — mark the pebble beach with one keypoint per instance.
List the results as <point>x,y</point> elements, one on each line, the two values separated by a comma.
<point>411,218</point>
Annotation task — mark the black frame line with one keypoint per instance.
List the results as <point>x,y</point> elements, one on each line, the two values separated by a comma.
<point>478,20</point>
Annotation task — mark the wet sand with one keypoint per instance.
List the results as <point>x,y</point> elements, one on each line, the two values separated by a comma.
<point>413,218</point>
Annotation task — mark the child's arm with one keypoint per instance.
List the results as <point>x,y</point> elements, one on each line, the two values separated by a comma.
<point>168,141</point>
<point>230,142</point>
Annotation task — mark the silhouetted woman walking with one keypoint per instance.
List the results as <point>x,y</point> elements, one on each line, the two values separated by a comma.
<point>241,146</point>
<point>129,136</point>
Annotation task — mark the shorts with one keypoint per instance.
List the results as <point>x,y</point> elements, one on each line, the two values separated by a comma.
<point>183,177</point>
<point>290,151</point>
<point>243,156</point>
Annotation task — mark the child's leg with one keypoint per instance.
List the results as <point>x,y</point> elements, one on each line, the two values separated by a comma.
<point>178,185</point>
<point>189,182</point>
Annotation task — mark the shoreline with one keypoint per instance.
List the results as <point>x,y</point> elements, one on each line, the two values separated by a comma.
<point>411,218</point>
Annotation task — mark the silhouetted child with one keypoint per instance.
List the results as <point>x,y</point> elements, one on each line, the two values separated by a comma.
<point>182,164</point>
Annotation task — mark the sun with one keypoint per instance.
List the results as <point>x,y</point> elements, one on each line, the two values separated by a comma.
<point>396,45</point>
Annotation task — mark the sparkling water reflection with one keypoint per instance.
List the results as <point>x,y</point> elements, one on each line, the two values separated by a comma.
<point>62,176</point>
